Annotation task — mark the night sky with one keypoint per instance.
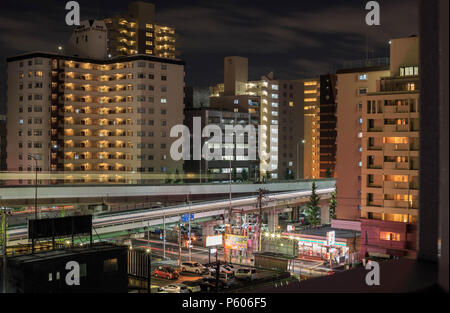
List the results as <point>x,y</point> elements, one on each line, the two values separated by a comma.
<point>294,39</point>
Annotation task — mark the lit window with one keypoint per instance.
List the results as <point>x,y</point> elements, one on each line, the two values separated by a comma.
<point>363,77</point>
<point>291,103</point>
<point>163,100</point>
<point>236,101</point>
<point>385,235</point>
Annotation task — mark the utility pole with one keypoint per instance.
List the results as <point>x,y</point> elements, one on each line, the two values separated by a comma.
<point>261,193</point>
<point>35,184</point>
<point>3,214</point>
<point>230,217</point>
<point>149,259</point>
<point>179,241</point>
<point>189,216</point>
<point>164,236</point>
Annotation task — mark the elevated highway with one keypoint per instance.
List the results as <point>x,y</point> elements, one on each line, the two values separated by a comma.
<point>139,219</point>
<point>85,194</point>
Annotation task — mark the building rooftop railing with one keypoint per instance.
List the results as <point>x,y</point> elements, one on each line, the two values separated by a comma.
<point>374,62</point>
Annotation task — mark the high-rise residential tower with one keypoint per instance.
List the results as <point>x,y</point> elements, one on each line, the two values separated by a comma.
<point>390,156</point>
<point>281,115</point>
<point>137,32</point>
<point>378,150</point>
<point>93,120</point>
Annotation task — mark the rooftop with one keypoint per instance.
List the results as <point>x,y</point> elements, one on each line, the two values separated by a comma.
<point>322,232</point>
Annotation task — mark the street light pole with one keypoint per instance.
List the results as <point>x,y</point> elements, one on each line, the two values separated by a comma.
<point>35,185</point>
<point>298,158</point>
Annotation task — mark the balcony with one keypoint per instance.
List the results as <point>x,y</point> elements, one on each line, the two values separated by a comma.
<point>396,109</point>
<point>396,147</point>
<point>396,185</point>
<point>396,165</point>
<point>396,128</point>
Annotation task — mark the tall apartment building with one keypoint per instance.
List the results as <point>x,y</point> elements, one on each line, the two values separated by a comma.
<point>281,113</point>
<point>311,140</point>
<point>136,32</point>
<point>390,157</point>
<point>378,150</point>
<point>220,169</point>
<point>353,84</point>
<point>327,128</point>
<point>93,120</point>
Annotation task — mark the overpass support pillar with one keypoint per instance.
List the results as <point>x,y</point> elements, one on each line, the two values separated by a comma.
<point>273,220</point>
<point>325,214</point>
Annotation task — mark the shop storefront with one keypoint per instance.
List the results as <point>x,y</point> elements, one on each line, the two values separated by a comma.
<point>323,244</point>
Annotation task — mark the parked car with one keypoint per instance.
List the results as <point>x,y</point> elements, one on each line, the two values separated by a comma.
<point>193,267</point>
<point>245,273</point>
<point>165,272</point>
<point>208,284</point>
<point>225,278</point>
<point>223,269</point>
<point>193,286</point>
<point>174,288</point>
<point>231,267</point>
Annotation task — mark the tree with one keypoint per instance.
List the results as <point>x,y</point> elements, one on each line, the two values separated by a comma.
<point>244,175</point>
<point>234,174</point>
<point>312,207</point>
<point>178,179</point>
<point>288,174</point>
<point>2,228</point>
<point>333,204</point>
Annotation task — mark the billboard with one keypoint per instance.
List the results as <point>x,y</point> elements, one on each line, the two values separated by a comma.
<point>215,240</point>
<point>59,227</point>
<point>235,242</point>
<point>331,238</point>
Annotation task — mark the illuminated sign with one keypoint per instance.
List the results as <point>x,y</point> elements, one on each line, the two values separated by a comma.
<point>235,242</point>
<point>215,240</point>
<point>331,238</point>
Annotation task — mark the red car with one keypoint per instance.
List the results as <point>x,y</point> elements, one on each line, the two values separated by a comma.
<point>165,272</point>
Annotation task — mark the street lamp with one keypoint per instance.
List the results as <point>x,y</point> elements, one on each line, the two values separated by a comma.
<point>298,156</point>
<point>35,184</point>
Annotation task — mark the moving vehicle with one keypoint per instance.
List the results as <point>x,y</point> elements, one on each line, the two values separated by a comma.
<point>245,273</point>
<point>174,288</point>
<point>165,272</point>
<point>192,267</point>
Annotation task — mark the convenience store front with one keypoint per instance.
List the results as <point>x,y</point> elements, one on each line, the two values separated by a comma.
<point>317,248</point>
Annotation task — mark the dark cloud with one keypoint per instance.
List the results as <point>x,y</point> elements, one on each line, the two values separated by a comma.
<point>294,39</point>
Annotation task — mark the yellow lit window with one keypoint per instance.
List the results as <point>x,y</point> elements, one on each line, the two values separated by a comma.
<point>291,103</point>
<point>149,51</point>
<point>310,99</point>
<point>149,26</point>
<point>310,83</point>
<point>149,43</point>
<point>148,34</point>
<point>385,235</point>
<point>310,91</point>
